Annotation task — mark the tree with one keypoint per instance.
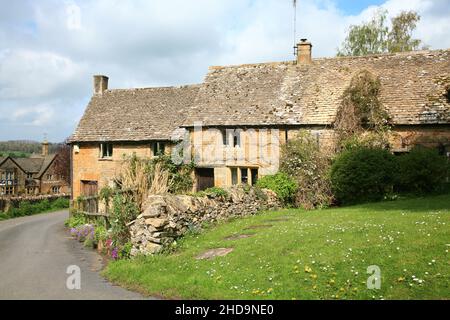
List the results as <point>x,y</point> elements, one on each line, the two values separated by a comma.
<point>375,37</point>
<point>400,37</point>
<point>367,38</point>
<point>62,161</point>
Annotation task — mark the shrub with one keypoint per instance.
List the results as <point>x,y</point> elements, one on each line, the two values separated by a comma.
<point>43,205</point>
<point>76,221</point>
<point>27,209</point>
<point>363,174</point>
<point>302,159</point>
<point>60,203</point>
<point>214,192</point>
<point>281,184</point>
<point>101,234</point>
<point>124,211</point>
<point>15,213</point>
<point>422,171</point>
<point>180,175</point>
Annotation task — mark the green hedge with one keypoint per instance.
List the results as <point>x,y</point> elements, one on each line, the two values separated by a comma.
<point>363,174</point>
<point>27,208</point>
<point>422,171</point>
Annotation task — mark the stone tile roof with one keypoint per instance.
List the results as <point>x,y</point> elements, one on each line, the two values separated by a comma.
<point>413,85</point>
<point>30,165</point>
<point>45,164</point>
<point>35,165</point>
<point>135,114</point>
<point>412,90</point>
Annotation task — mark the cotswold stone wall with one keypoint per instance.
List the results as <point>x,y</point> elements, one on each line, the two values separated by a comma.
<point>168,217</point>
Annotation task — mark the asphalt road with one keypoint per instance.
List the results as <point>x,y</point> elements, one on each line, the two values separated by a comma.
<point>35,253</point>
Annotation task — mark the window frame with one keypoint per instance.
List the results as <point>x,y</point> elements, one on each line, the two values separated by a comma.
<point>106,150</point>
<point>234,178</point>
<point>158,148</point>
<point>237,138</point>
<point>9,190</point>
<point>56,189</point>
<point>244,170</point>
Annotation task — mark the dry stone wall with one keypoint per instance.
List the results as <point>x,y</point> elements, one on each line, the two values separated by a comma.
<point>168,217</point>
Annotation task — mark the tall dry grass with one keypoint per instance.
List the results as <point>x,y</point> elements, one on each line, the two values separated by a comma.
<point>143,179</point>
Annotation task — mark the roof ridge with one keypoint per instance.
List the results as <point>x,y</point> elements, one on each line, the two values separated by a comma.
<point>386,54</point>
<point>186,86</point>
<point>292,62</point>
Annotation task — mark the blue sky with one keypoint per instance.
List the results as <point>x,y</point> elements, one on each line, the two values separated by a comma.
<point>49,49</point>
<point>354,7</point>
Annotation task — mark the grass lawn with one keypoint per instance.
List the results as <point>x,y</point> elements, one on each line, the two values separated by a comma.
<point>312,255</point>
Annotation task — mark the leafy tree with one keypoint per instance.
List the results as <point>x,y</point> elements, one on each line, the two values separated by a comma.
<point>375,37</point>
<point>62,161</point>
<point>400,37</point>
<point>367,38</point>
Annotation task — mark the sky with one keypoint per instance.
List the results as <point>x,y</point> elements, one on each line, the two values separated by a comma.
<point>50,49</point>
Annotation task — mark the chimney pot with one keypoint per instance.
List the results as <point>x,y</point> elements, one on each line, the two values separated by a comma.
<point>304,52</point>
<point>100,84</point>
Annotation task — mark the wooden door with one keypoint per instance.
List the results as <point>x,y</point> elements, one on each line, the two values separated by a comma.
<point>205,178</point>
<point>89,188</point>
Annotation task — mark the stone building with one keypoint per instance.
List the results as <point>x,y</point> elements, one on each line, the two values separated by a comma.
<point>233,123</point>
<point>31,176</point>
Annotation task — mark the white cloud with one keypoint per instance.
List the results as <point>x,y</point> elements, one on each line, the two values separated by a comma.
<point>49,49</point>
<point>41,115</point>
<point>28,73</point>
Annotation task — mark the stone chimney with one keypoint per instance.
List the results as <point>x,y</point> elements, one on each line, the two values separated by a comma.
<point>45,148</point>
<point>304,49</point>
<point>100,84</point>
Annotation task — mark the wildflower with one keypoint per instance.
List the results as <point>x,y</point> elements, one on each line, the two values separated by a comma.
<point>115,254</point>
<point>307,269</point>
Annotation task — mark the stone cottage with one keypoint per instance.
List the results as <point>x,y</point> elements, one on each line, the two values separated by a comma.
<point>233,123</point>
<point>36,175</point>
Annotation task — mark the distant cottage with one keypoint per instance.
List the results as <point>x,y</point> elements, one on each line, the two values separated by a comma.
<point>36,175</point>
<point>245,112</point>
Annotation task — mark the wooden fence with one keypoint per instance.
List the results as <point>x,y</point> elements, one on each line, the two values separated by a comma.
<point>94,208</point>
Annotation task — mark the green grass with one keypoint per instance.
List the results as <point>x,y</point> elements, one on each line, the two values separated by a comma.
<point>314,255</point>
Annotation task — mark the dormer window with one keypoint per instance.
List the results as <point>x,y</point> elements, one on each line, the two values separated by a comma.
<point>158,148</point>
<point>106,150</point>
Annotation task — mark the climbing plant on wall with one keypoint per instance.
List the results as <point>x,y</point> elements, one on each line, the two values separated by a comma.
<point>361,117</point>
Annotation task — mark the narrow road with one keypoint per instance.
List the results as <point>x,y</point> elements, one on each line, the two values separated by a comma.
<point>35,253</point>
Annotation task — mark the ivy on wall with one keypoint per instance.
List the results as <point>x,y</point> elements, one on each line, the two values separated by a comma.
<point>361,117</point>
